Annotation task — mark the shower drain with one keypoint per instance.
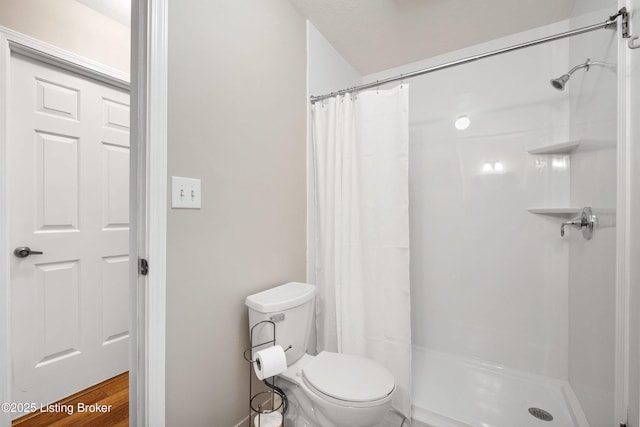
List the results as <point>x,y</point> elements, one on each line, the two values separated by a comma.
<point>541,414</point>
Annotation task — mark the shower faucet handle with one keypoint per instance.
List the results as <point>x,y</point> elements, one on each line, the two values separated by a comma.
<point>585,222</point>
<point>576,222</point>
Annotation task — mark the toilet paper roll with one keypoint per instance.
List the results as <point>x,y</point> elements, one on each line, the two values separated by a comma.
<point>271,419</point>
<point>269,362</point>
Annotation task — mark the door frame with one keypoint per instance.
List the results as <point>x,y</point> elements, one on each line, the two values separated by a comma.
<point>148,183</point>
<point>148,205</point>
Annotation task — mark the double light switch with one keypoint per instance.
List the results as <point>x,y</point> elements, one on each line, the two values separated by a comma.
<point>185,193</point>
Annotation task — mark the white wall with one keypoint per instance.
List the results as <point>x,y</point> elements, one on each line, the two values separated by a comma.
<point>489,279</point>
<point>237,103</point>
<point>592,265</point>
<point>70,25</point>
<point>327,70</point>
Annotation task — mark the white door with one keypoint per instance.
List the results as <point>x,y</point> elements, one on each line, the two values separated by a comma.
<point>68,186</point>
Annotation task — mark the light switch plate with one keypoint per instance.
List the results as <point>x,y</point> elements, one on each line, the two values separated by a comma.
<point>185,193</point>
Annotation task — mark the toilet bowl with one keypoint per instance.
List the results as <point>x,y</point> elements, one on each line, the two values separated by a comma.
<point>327,390</point>
<point>336,390</point>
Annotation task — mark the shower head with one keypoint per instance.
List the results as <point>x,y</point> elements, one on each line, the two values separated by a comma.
<point>561,81</point>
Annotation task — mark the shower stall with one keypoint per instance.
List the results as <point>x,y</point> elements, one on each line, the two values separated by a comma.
<point>513,324</point>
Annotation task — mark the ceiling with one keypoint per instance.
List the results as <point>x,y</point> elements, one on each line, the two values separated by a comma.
<point>118,10</point>
<point>375,35</point>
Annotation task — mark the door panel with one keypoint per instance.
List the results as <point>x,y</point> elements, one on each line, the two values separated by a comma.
<point>115,280</point>
<point>115,159</point>
<point>56,309</point>
<point>68,164</point>
<point>56,166</point>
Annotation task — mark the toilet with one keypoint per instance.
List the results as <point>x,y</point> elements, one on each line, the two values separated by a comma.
<point>327,390</point>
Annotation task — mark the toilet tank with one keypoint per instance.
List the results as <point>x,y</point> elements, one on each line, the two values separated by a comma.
<point>290,307</point>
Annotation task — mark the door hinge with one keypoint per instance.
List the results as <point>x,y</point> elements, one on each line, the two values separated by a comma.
<point>143,267</point>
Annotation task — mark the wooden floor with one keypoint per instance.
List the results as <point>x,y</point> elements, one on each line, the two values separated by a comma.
<point>114,392</point>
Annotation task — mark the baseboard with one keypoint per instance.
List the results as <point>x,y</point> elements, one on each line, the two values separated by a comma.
<point>244,420</point>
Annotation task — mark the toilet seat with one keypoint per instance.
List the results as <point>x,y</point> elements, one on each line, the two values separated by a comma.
<point>348,379</point>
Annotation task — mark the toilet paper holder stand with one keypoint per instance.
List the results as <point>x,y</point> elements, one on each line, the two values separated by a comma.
<point>258,403</point>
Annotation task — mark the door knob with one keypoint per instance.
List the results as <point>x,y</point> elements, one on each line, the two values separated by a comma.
<point>25,251</point>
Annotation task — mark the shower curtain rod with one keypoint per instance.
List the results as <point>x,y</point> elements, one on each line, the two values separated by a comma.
<point>610,23</point>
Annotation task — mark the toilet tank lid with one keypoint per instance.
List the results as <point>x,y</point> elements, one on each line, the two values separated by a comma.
<point>281,297</point>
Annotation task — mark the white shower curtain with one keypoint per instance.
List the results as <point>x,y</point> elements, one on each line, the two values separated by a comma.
<point>363,307</point>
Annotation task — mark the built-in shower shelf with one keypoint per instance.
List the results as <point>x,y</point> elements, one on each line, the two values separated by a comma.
<point>559,148</point>
<point>569,212</point>
<point>561,212</point>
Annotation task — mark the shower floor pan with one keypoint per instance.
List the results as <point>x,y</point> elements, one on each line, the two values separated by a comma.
<point>450,391</point>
